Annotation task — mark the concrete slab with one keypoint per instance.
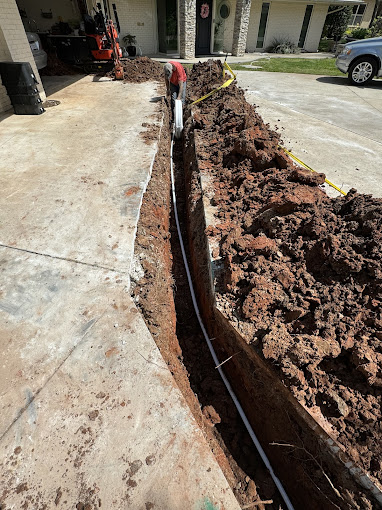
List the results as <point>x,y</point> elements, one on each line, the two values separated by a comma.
<point>90,416</point>
<point>89,408</point>
<point>331,126</point>
<point>72,187</point>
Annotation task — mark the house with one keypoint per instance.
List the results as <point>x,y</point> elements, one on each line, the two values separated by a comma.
<point>178,27</point>
<point>363,14</point>
<point>239,26</point>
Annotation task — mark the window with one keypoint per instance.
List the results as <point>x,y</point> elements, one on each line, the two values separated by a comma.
<point>167,25</point>
<point>224,11</point>
<point>262,25</point>
<point>305,25</point>
<point>357,16</point>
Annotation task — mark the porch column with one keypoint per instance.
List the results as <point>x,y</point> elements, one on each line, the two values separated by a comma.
<point>187,28</point>
<point>240,30</point>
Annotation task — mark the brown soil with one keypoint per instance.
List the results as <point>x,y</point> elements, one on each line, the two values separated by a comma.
<point>57,67</point>
<point>162,295</point>
<point>140,69</point>
<point>301,271</point>
<point>204,78</point>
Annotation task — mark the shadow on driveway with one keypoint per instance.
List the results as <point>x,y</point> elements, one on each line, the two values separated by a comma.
<point>53,84</point>
<point>6,115</point>
<point>342,80</point>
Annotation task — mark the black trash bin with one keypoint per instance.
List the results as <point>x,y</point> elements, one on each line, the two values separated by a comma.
<point>27,99</point>
<point>17,74</point>
<point>28,109</point>
<point>21,84</point>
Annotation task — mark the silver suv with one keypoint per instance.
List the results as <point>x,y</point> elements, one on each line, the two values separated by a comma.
<point>361,60</point>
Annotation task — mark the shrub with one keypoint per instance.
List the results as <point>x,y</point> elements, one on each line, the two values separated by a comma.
<point>376,27</point>
<point>336,22</point>
<point>326,45</point>
<point>282,46</point>
<point>360,33</point>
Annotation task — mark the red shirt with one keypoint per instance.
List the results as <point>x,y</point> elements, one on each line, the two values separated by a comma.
<point>178,74</point>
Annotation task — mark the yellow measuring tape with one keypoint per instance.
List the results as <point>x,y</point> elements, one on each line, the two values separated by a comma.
<point>311,169</point>
<point>225,84</point>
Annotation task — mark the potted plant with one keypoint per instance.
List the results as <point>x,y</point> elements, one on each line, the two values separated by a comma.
<point>130,41</point>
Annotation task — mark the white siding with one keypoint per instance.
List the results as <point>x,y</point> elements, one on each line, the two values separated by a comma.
<point>253,28</point>
<point>139,18</point>
<point>228,27</point>
<point>285,22</point>
<point>316,25</point>
<point>228,24</point>
<point>367,14</point>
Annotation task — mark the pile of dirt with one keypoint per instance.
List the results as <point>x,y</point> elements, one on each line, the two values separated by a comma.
<point>302,272</point>
<point>56,67</point>
<point>140,69</point>
<point>204,77</point>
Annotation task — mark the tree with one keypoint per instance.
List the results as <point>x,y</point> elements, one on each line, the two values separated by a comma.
<point>337,21</point>
<point>376,27</point>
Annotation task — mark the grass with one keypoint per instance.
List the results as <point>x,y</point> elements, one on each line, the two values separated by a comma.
<point>324,66</point>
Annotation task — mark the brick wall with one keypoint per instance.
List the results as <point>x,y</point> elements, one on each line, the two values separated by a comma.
<point>5,103</point>
<point>14,43</point>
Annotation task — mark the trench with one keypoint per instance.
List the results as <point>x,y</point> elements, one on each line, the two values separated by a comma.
<point>163,296</point>
<point>314,476</point>
<point>205,381</point>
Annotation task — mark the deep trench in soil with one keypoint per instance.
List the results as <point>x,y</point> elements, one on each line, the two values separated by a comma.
<point>205,381</point>
<point>160,290</point>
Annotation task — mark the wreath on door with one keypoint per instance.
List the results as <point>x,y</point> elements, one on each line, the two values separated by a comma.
<point>204,11</point>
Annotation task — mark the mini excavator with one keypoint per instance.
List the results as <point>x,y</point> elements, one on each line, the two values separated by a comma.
<point>102,38</point>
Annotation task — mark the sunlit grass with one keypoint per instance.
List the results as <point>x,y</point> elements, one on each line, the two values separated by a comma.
<point>324,66</point>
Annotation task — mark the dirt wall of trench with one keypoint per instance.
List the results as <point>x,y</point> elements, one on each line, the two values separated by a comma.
<point>314,477</point>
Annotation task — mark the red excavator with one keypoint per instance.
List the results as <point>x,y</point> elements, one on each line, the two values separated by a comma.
<point>102,37</point>
<point>99,48</point>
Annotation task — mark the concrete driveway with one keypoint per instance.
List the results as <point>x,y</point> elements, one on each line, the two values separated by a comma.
<point>333,127</point>
<point>90,415</point>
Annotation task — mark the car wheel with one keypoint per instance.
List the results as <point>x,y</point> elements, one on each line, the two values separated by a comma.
<point>362,71</point>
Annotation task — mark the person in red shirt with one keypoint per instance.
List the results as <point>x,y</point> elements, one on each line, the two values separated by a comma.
<point>175,78</point>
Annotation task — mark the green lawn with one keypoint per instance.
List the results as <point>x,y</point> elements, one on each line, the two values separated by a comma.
<point>325,66</point>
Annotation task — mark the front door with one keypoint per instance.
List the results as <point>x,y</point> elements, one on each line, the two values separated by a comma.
<point>203,27</point>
